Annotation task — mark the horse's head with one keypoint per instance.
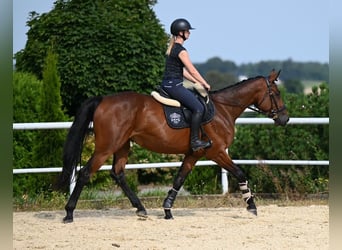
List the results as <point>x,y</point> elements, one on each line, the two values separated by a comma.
<point>271,103</point>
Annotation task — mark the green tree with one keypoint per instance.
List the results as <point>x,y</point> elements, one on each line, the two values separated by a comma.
<point>216,64</point>
<point>291,70</point>
<point>46,145</point>
<point>294,86</point>
<point>204,180</point>
<point>26,89</point>
<point>104,46</point>
<point>219,80</point>
<point>49,146</point>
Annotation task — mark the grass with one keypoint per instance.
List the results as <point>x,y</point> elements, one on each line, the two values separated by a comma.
<point>154,199</point>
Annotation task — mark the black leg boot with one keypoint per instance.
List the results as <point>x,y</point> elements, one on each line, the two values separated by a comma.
<point>196,143</point>
<point>168,203</point>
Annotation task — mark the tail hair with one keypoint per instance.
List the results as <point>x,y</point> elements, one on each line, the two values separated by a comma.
<point>74,141</point>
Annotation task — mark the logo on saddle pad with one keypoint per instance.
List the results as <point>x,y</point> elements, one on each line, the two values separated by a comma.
<point>179,117</point>
<point>175,118</point>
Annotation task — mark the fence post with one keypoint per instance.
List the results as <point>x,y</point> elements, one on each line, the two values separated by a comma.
<point>224,179</point>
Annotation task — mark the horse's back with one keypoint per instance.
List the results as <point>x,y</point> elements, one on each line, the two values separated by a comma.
<point>125,100</point>
<point>129,96</point>
<point>125,107</point>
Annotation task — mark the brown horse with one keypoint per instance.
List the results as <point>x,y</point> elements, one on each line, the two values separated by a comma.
<point>124,117</point>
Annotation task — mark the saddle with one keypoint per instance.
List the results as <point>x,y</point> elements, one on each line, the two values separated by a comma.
<point>178,116</point>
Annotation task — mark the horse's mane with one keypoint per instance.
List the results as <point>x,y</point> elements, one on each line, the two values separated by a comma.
<point>236,84</point>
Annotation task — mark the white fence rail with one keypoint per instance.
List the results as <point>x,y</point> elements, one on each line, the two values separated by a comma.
<point>66,125</point>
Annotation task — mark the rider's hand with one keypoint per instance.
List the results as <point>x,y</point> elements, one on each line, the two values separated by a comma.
<point>207,86</point>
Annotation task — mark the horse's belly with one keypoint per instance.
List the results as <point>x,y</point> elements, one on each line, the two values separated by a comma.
<point>169,145</point>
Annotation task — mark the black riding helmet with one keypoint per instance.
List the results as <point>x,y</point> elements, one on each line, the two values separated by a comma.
<point>180,24</point>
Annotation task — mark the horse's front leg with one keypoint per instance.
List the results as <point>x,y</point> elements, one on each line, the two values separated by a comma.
<point>224,161</point>
<point>188,163</point>
<point>248,197</point>
<point>117,173</point>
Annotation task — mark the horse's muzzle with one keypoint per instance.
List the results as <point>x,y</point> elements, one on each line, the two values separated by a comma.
<point>281,119</point>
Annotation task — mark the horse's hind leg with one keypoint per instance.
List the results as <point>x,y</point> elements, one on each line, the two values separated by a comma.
<point>188,162</point>
<point>94,163</point>
<point>117,173</point>
<point>83,179</point>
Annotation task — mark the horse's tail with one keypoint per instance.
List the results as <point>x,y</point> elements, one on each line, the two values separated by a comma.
<point>74,141</point>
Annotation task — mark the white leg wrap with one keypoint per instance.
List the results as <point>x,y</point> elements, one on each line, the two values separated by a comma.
<point>247,195</point>
<point>243,186</point>
<point>246,192</point>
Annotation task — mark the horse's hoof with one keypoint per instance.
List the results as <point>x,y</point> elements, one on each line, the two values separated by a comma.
<point>67,219</point>
<point>168,214</point>
<point>141,213</point>
<point>253,211</point>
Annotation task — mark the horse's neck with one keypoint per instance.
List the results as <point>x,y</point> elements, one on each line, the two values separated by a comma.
<point>235,111</point>
<point>237,98</point>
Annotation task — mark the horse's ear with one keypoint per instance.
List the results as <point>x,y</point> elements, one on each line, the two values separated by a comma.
<point>278,75</point>
<point>273,75</point>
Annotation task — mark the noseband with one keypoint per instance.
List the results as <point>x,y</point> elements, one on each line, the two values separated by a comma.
<point>275,110</point>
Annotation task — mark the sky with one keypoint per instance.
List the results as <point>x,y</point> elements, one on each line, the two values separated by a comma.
<point>240,31</point>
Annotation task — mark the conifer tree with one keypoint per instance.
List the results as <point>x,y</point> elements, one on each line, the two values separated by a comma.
<point>49,143</point>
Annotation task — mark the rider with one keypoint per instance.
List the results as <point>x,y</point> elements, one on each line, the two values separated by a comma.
<point>178,66</point>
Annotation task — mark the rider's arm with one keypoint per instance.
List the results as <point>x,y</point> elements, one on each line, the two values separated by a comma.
<point>187,76</point>
<point>191,70</point>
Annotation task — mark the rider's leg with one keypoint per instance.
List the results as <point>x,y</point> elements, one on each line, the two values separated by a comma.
<point>177,91</point>
<point>196,143</point>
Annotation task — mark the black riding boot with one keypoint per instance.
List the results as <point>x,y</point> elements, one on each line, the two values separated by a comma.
<point>196,143</point>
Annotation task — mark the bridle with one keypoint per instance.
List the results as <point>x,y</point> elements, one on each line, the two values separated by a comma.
<point>275,110</point>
